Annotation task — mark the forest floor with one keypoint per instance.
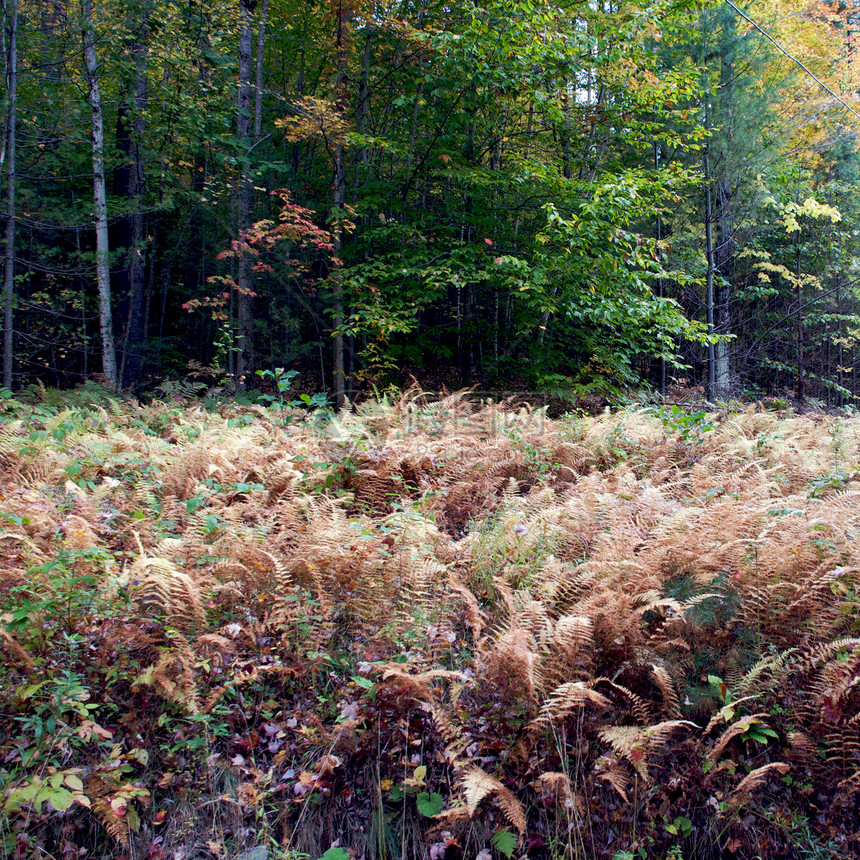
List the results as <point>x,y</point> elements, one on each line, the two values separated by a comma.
<point>426,630</point>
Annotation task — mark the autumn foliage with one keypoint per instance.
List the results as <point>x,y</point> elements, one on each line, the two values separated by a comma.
<point>426,628</point>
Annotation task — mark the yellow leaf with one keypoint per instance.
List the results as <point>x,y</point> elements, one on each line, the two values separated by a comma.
<point>73,782</point>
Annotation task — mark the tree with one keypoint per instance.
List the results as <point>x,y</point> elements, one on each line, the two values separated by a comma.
<point>10,16</point>
<point>245,189</point>
<point>109,368</point>
<point>130,183</point>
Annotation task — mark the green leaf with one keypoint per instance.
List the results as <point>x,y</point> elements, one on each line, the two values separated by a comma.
<point>364,683</point>
<point>73,781</point>
<point>335,854</point>
<point>60,799</point>
<point>27,692</point>
<point>430,804</point>
<point>504,842</point>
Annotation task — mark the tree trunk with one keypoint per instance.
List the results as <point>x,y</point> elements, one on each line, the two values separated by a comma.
<point>338,201</point>
<point>300,91</point>
<point>244,277</point>
<point>131,126</point>
<point>660,288</point>
<point>9,268</point>
<point>725,224</point>
<point>99,198</point>
<point>840,342</point>
<point>722,264</point>
<point>261,48</point>
<point>800,367</point>
<point>709,278</point>
<point>565,135</point>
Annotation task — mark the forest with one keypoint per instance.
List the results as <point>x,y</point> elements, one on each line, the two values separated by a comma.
<point>293,563</point>
<point>510,195</point>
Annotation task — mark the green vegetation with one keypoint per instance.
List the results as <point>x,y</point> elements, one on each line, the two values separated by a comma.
<point>511,195</point>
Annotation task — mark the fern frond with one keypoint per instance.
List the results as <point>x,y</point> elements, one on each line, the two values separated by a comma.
<point>557,786</point>
<point>638,706</point>
<point>572,633</point>
<point>567,698</point>
<point>671,702</point>
<point>476,784</point>
<point>819,653</point>
<point>737,728</point>
<point>114,821</point>
<point>636,744</point>
<point>754,779</point>
<point>159,587</point>
<point>773,664</point>
<point>618,776</point>
<point>15,649</point>
<point>173,676</point>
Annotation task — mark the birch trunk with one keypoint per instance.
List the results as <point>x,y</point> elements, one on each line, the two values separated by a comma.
<point>725,229</point>
<point>722,264</point>
<point>709,278</point>
<point>99,198</point>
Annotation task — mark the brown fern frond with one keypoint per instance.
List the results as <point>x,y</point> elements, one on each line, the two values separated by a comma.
<point>280,482</point>
<point>556,786</point>
<point>114,821</point>
<point>419,686</point>
<point>849,786</point>
<point>629,743</point>
<point>754,779</point>
<point>15,649</point>
<point>737,728</point>
<point>173,676</point>
<point>159,587</point>
<point>476,784</point>
<point>821,652</point>
<point>215,646</point>
<point>638,706</point>
<point>475,618</point>
<point>671,702</point>
<point>513,660</point>
<point>32,547</point>
<point>617,775</point>
<point>567,698</point>
<point>132,639</point>
<point>572,633</point>
<point>78,533</point>
<point>452,734</point>
<point>568,590</point>
<point>636,744</point>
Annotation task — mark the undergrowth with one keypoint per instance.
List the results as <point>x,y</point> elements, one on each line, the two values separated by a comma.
<point>426,630</point>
